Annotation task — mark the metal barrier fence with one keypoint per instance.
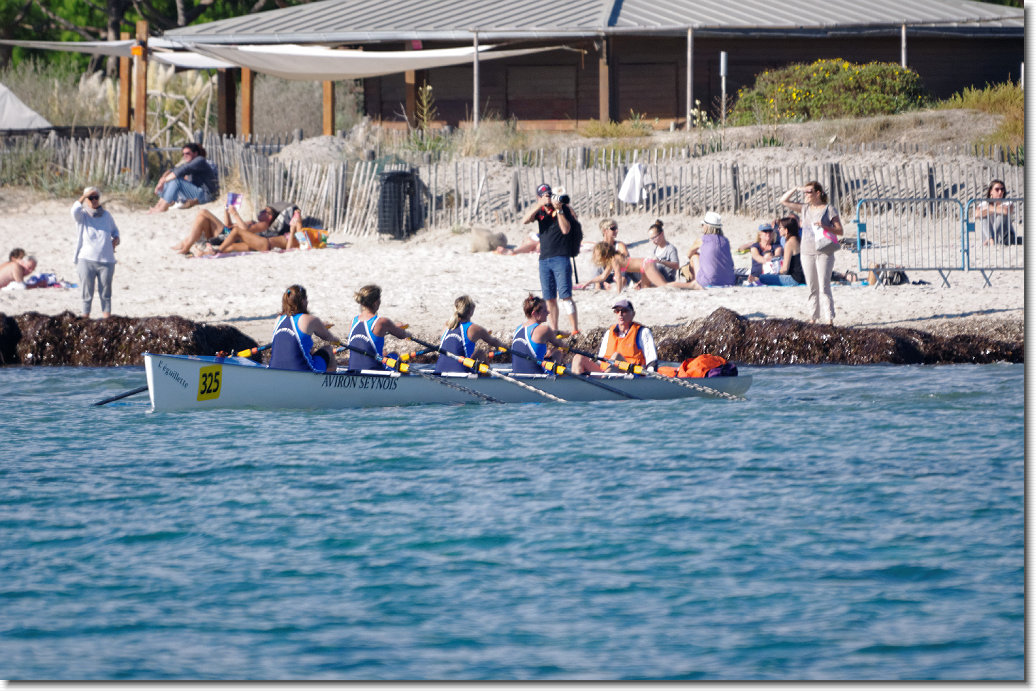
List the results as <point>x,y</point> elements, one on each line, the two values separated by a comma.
<point>994,235</point>
<point>927,234</point>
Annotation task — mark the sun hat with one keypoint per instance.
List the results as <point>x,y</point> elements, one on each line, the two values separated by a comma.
<point>543,189</point>
<point>712,219</point>
<point>765,227</point>
<point>622,304</point>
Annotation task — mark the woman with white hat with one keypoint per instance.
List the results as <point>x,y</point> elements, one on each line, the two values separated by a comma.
<point>98,236</point>
<point>711,263</point>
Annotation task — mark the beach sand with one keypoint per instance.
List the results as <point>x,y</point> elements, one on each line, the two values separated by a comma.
<point>422,276</point>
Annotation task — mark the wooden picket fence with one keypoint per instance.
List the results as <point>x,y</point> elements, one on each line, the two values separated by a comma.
<point>470,192</point>
<point>344,197</point>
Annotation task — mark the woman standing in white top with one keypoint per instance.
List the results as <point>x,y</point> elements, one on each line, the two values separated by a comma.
<point>817,217</point>
<point>98,236</point>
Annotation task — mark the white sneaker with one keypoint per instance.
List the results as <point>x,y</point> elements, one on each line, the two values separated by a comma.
<point>178,205</point>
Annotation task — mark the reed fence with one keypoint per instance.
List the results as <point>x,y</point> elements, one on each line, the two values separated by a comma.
<point>343,197</point>
<point>115,159</point>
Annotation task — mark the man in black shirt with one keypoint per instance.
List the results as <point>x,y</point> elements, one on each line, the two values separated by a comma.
<point>555,221</point>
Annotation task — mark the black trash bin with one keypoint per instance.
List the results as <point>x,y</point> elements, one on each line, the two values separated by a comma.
<point>397,203</point>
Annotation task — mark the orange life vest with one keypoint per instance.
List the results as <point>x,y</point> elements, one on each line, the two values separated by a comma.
<point>626,345</point>
<point>697,367</point>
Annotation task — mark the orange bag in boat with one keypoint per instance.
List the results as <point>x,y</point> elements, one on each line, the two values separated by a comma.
<point>667,371</point>
<point>697,367</point>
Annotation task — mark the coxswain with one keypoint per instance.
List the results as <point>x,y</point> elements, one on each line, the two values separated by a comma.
<point>627,341</point>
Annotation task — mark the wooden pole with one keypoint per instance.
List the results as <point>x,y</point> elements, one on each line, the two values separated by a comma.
<point>690,77</point>
<point>247,102</point>
<point>329,108</point>
<point>477,95</point>
<point>226,109</point>
<point>603,82</point>
<point>125,86</point>
<point>140,79</point>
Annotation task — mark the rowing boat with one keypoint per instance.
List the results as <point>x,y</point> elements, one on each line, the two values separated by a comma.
<point>178,382</point>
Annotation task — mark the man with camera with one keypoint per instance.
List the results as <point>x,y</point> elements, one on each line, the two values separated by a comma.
<point>554,215</point>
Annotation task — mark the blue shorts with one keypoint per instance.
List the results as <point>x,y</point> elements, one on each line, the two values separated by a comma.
<point>778,280</point>
<point>556,278</point>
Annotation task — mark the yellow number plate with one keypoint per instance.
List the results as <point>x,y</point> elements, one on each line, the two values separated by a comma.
<point>209,381</point>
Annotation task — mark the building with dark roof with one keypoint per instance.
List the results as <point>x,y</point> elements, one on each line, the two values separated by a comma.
<point>615,57</point>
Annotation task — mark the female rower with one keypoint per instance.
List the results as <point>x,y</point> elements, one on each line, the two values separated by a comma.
<point>292,347</point>
<point>367,335</point>
<point>610,259</point>
<point>533,338</point>
<point>461,337</point>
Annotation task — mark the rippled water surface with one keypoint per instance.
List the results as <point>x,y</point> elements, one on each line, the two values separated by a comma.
<point>844,523</point>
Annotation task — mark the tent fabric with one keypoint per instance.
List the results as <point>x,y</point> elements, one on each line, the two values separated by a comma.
<point>15,115</point>
<point>292,61</point>
<point>162,50</point>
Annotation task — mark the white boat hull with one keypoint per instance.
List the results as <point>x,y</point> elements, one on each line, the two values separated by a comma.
<point>204,382</point>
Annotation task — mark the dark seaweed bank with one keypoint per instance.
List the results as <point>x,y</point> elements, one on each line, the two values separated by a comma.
<point>66,339</point>
<point>792,342</point>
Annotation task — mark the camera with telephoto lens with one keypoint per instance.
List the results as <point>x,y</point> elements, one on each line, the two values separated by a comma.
<point>561,197</point>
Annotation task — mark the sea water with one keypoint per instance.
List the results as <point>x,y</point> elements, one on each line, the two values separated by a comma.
<point>843,523</point>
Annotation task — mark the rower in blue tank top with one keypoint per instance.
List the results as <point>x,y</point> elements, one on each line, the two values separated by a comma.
<point>292,343</point>
<point>532,338</point>
<point>367,335</point>
<point>461,337</point>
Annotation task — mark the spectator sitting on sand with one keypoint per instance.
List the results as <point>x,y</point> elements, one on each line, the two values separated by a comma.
<point>605,278</point>
<point>192,182</point>
<point>791,263</point>
<point>18,268</point>
<point>667,259</point>
<point>763,251</point>
<point>710,261</point>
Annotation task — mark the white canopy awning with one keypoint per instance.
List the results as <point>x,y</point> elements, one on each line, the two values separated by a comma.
<point>288,61</point>
<point>292,61</point>
<point>161,49</point>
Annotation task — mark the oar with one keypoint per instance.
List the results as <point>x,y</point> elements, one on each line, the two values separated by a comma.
<point>486,370</point>
<point>252,351</point>
<point>626,366</point>
<point>561,370</point>
<point>110,399</point>
<point>400,366</point>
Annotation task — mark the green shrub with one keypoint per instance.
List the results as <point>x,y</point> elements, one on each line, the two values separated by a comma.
<point>828,89</point>
<point>1006,99</point>
<point>635,126</point>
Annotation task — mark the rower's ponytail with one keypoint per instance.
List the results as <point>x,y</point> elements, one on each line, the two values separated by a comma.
<point>463,308</point>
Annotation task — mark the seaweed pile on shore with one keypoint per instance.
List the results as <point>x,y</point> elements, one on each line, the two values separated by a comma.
<point>793,342</point>
<point>65,339</point>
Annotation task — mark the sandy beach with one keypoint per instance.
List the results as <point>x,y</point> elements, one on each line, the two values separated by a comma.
<point>421,277</point>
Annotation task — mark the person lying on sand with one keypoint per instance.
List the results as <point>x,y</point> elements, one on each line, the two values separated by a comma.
<point>614,262</point>
<point>17,269</point>
<point>207,226</point>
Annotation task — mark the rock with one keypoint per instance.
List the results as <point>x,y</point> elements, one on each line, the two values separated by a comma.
<point>485,240</point>
<point>66,339</point>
